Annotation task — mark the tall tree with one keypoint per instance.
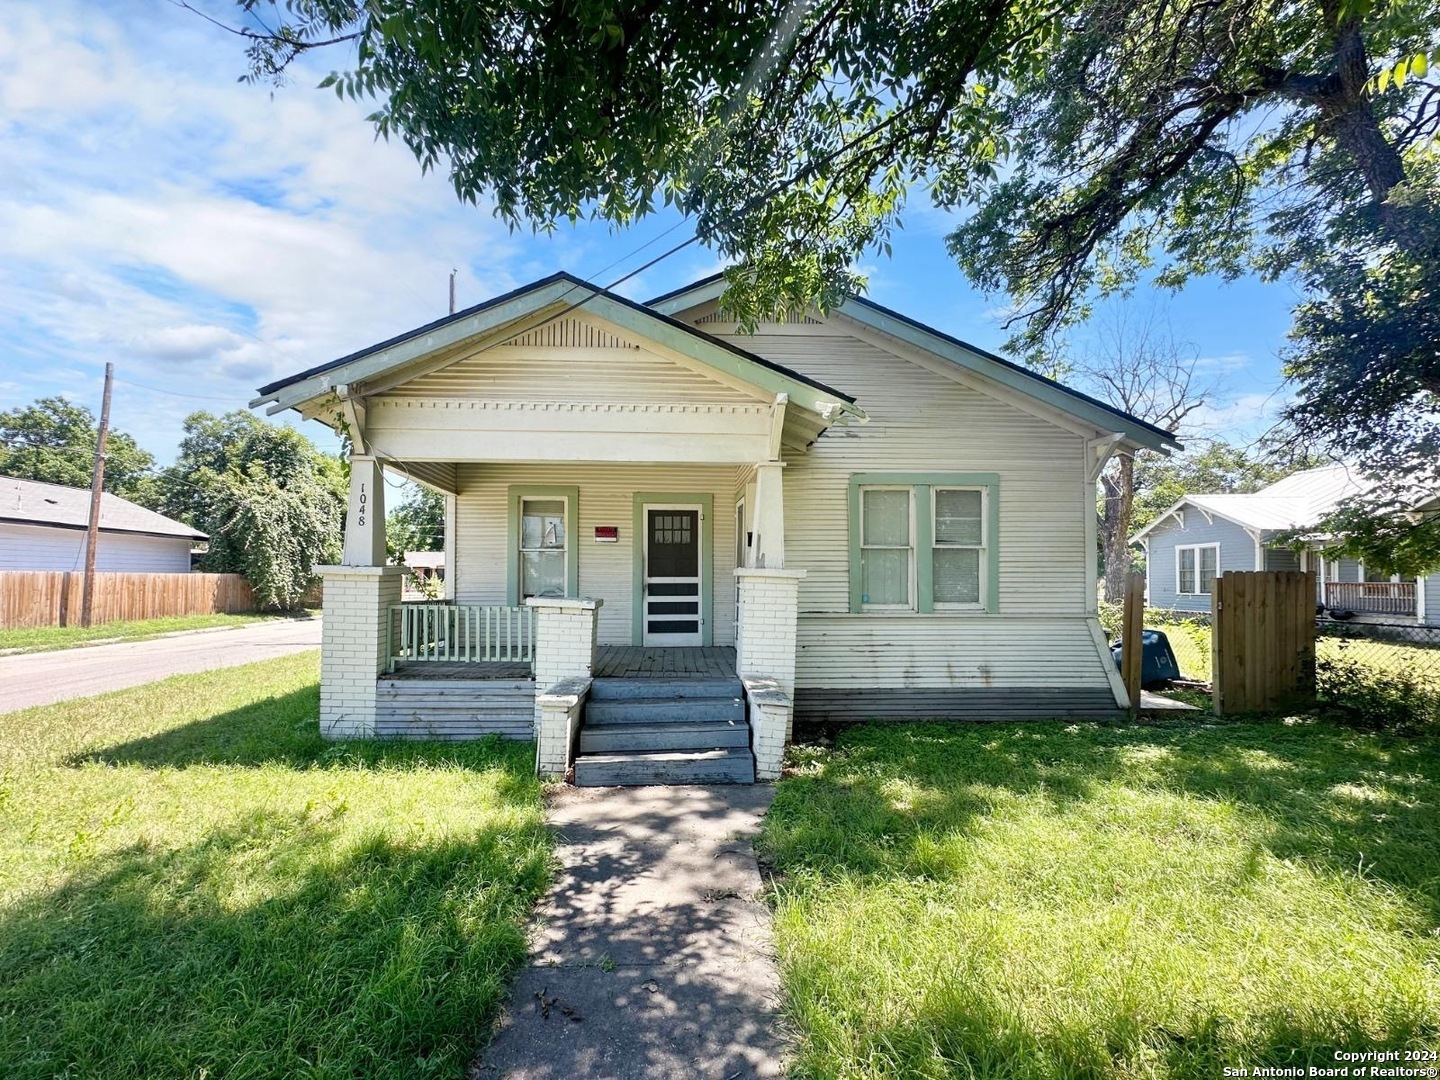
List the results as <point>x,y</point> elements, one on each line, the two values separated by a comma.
<point>1135,364</point>
<point>416,524</point>
<point>1098,141</point>
<point>53,440</point>
<point>273,504</point>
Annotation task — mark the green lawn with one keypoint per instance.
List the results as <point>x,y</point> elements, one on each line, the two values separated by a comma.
<point>46,638</point>
<point>193,884</point>
<point>1056,901</point>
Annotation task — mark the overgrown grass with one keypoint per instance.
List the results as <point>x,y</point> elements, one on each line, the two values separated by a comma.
<point>46,638</point>
<point>194,884</point>
<point>1044,901</point>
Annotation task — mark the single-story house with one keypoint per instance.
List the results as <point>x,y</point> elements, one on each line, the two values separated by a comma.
<point>43,527</point>
<point>842,515</point>
<point>425,567</point>
<point>1202,536</point>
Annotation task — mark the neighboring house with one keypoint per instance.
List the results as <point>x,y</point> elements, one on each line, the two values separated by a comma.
<point>881,520</point>
<point>424,567</point>
<point>1202,536</point>
<point>43,527</point>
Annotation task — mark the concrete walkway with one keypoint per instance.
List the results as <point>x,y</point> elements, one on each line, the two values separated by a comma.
<point>46,677</point>
<point>652,955</point>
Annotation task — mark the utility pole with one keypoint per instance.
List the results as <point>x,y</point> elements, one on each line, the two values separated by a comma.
<point>97,481</point>
<point>452,292</point>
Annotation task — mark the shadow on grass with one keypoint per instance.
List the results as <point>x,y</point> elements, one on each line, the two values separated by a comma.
<point>275,948</point>
<point>1334,797</point>
<point>284,731</point>
<point>869,822</point>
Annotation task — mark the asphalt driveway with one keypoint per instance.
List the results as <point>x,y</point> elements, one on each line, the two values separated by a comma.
<point>47,677</point>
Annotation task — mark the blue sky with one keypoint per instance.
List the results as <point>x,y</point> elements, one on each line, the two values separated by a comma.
<point>208,236</point>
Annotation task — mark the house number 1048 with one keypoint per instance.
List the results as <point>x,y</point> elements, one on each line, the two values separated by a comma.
<point>360,510</point>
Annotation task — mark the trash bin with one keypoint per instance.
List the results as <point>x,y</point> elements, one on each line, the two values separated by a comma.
<point>1157,659</point>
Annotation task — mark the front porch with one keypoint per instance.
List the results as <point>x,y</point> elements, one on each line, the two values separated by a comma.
<point>680,662</point>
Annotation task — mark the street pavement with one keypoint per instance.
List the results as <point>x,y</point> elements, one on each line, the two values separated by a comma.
<point>28,679</point>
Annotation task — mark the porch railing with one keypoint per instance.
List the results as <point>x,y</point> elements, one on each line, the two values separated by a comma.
<point>463,633</point>
<point>1371,597</point>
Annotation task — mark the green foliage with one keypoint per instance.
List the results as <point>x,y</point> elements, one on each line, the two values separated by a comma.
<point>53,440</point>
<point>275,531</point>
<point>1374,698</point>
<point>273,504</point>
<point>194,883</point>
<point>791,133</point>
<point>417,524</point>
<point>1040,901</point>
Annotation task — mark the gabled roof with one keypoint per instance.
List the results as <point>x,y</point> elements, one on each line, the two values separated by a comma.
<point>962,353</point>
<point>565,292</point>
<point>30,502</point>
<point>1296,502</point>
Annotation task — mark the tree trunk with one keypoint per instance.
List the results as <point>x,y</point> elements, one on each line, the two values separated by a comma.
<point>1115,525</point>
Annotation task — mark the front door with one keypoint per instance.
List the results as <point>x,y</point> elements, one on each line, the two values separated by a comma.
<point>672,576</point>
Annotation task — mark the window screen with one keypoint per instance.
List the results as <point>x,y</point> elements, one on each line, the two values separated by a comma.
<point>885,547</point>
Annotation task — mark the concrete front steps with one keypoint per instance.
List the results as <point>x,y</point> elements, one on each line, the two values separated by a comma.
<point>664,731</point>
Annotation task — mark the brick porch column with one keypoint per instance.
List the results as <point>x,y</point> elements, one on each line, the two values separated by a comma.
<point>765,659</point>
<point>353,647</point>
<point>565,632</point>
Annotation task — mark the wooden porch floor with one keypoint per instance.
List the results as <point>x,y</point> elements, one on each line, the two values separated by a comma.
<point>611,662</point>
<point>639,662</point>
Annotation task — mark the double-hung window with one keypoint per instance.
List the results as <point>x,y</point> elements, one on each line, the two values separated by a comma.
<point>887,549</point>
<point>923,542</point>
<point>1196,566</point>
<point>958,546</point>
<point>543,558</point>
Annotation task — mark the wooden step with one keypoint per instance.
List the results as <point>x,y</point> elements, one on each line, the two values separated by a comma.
<point>681,735</point>
<point>614,689</point>
<point>661,710</point>
<point>730,766</point>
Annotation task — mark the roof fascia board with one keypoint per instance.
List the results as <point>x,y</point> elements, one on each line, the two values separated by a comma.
<point>1097,416</point>
<point>1026,403</point>
<point>713,354</point>
<point>31,523</point>
<point>442,337</point>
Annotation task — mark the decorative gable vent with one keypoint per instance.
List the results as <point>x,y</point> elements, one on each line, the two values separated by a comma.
<point>573,333</point>
<point>793,318</point>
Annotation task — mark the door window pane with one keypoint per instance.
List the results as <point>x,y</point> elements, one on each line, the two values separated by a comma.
<point>956,575</point>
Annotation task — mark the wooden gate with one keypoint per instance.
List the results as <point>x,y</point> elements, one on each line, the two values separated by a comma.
<point>1263,641</point>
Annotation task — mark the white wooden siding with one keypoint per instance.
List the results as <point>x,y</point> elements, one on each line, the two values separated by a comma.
<point>574,361</point>
<point>606,498</point>
<point>922,421</point>
<point>38,547</point>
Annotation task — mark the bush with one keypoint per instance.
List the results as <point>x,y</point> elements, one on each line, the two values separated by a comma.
<point>1374,699</point>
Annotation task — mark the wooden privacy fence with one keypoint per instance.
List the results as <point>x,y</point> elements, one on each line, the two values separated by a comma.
<point>1263,641</point>
<point>52,598</point>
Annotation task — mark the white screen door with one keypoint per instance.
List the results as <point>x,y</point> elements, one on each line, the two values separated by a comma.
<point>672,576</point>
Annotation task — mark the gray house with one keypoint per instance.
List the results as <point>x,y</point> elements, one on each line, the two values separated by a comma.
<point>1202,536</point>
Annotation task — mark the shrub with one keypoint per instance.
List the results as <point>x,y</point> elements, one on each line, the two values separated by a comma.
<point>1375,699</point>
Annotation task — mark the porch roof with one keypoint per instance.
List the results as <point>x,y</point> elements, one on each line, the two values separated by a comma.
<point>542,301</point>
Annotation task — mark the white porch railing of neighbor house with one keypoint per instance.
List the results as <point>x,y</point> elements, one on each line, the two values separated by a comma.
<point>465,633</point>
<point>1371,597</point>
